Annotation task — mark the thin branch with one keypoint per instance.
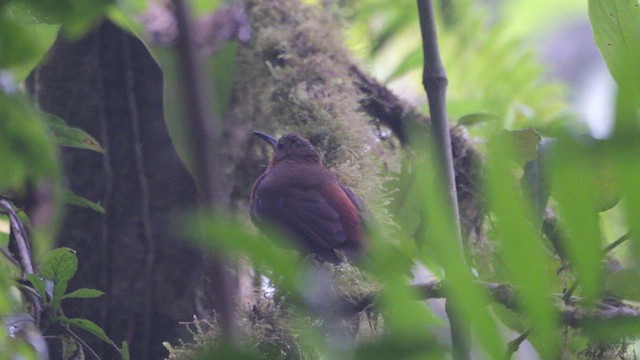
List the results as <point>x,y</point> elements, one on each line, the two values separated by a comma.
<point>204,136</point>
<point>567,295</point>
<point>435,82</point>
<point>82,342</point>
<point>616,243</point>
<point>20,236</point>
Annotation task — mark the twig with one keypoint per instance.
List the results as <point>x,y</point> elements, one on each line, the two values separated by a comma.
<point>514,344</point>
<point>435,83</point>
<point>20,236</point>
<point>567,295</point>
<point>204,136</point>
<point>616,243</point>
<point>82,342</point>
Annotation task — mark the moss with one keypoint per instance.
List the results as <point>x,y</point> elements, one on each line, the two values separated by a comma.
<point>294,76</point>
<point>264,328</point>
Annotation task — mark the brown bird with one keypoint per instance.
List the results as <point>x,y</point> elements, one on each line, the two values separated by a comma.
<point>300,197</point>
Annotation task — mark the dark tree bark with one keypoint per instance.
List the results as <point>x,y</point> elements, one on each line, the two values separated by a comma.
<point>108,85</point>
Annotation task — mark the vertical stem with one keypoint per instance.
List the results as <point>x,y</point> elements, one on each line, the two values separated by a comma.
<point>204,132</point>
<point>434,80</point>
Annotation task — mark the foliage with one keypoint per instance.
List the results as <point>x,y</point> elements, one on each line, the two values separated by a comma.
<point>543,199</point>
<point>476,65</point>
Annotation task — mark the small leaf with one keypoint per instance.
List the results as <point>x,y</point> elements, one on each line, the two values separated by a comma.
<point>524,144</point>
<point>71,350</point>
<point>69,136</point>
<point>86,325</point>
<point>125,351</point>
<point>624,284</point>
<point>473,119</point>
<point>40,285</point>
<point>60,264</point>
<point>73,199</point>
<point>83,293</point>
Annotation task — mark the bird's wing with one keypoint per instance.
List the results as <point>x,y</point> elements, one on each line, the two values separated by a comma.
<point>308,213</point>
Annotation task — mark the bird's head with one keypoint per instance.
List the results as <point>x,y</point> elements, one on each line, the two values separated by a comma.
<point>291,147</point>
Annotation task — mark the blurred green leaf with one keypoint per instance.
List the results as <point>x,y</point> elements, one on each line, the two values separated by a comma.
<point>218,232</point>
<point>412,61</point>
<point>26,151</point>
<point>528,268</point>
<point>624,284</point>
<point>69,136</point>
<point>616,29</point>
<point>41,285</point>
<point>73,199</point>
<point>22,42</point>
<point>394,346</point>
<point>473,119</point>
<point>444,246</point>
<point>524,144</point>
<point>201,7</point>
<point>76,17</point>
<point>573,186</point>
<point>225,351</point>
<point>83,293</point>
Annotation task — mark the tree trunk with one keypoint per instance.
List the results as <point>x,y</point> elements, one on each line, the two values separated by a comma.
<point>108,85</point>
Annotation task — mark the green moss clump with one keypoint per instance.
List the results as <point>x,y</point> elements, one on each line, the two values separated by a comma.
<point>295,76</point>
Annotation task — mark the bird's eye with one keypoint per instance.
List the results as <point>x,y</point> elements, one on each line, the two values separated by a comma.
<point>280,146</point>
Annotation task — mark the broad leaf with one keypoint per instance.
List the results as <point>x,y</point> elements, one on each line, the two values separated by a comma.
<point>83,293</point>
<point>624,284</point>
<point>73,199</point>
<point>60,264</point>
<point>69,136</point>
<point>86,325</point>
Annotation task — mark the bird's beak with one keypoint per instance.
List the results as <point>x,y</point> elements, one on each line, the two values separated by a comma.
<point>268,138</point>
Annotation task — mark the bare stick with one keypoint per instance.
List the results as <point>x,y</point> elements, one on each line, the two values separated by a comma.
<point>20,236</point>
<point>434,80</point>
<point>204,136</point>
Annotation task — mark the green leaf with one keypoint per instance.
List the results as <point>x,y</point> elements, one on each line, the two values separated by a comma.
<point>86,325</point>
<point>527,266</point>
<point>220,233</point>
<point>76,17</point>
<point>473,119</point>
<point>60,265</point>
<point>524,143</point>
<point>73,137</point>
<point>23,43</point>
<point>574,186</point>
<point>124,352</point>
<point>71,349</point>
<point>624,284</point>
<point>616,29</point>
<point>444,246</point>
<point>26,150</point>
<point>83,293</point>
<point>42,286</point>
<point>73,199</point>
